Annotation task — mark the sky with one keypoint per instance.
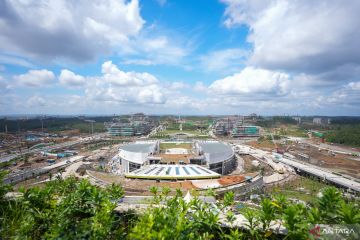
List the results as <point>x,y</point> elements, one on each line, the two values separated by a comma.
<point>276,57</point>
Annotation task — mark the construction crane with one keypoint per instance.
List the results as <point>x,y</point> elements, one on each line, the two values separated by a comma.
<point>92,125</point>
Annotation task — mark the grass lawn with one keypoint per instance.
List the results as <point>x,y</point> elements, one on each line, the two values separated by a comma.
<point>194,132</point>
<point>293,131</point>
<point>302,188</point>
<point>164,146</point>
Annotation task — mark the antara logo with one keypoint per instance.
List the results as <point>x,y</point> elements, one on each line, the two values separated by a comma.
<point>315,231</point>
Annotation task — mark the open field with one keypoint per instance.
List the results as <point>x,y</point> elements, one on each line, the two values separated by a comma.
<point>164,146</point>
<point>292,131</point>
<point>193,132</point>
<point>265,144</point>
<point>302,188</point>
<point>338,163</point>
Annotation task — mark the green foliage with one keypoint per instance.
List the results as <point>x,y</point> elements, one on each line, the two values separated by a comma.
<point>55,124</point>
<point>295,222</point>
<point>329,204</point>
<point>75,209</point>
<point>66,209</point>
<point>177,220</point>
<point>284,120</point>
<point>4,188</point>
<point>267,213</point>
<point>345,134</point>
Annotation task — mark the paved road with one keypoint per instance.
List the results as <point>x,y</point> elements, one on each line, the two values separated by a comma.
<point>327,147</point>
<point>52,147</point>
<point>321,173</point>
<point>20,176</point>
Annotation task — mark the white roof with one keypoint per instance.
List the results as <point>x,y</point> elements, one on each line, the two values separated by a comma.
<point>160,171</point>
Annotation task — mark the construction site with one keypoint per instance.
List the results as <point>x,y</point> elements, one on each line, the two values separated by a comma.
<point>246,164</point>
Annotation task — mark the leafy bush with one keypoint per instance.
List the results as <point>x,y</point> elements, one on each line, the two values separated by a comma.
<point>66,209</point>
<point>75,209</point>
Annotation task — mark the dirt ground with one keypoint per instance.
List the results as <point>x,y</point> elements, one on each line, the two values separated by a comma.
<point>340,163</point>
<point>265,145</point>
<point>248,167</point>
<point>167,158</point>
<point>139,186</point>
<point>228,180</point>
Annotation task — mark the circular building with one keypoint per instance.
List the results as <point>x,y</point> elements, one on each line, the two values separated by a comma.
<point>134,155</point>
<point>185,159</point>
<point>219,156</point>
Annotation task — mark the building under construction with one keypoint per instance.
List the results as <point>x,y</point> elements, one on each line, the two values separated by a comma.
<point>235,127</point>
<point>136,125</point>
<point>245,131</point>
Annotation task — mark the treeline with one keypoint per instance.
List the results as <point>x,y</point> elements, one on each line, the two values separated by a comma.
<point>345,120</point>
<point>275,121</point>
<point>345,134</point>
<point>53,124</point>
<point>75,209</point>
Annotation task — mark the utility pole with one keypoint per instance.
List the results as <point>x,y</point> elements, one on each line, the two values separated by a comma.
<point>91,130</point>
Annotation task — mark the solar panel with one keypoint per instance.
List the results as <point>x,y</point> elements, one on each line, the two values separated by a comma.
<point>205,170</point>
<point>196,171</point>
<point>147,172</point>
<point>137,171</point>
<point>187,172</point>
<point>158,171</point>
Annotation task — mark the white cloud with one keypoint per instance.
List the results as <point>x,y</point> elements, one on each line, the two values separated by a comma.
<point>311,36</point>
<point>81,31</point>
<point>200,87</point>
<point>154,47</point>
<point>178,85</point>
<point>161,2</point>
<point>354,86</point>
<point>226,60</point>
<point>35,78</point>
<point>143,62</point>
<point>4,85</point>
<point>252,80</point>
<point>114,75</point>
<point>151,94</point>
<point>71,79</point>
<point>13,60</point>
<point>36,101</point>
<point>119,87</point>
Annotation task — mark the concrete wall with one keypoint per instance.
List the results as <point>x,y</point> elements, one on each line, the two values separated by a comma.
<point>229,165</point>
<point>241,189</point>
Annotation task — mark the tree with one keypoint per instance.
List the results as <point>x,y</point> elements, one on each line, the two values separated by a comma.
<point>267,213</point>
<point>252,217</point>
<point>295,222</point>
<point>329,204</point>
<point>4,188</point>
<point>349,213</point>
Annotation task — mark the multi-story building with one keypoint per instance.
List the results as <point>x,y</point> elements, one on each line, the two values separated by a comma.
<point>137,125</point>
<point>321,121</point>
<point>245,131</point>
<point>297,119</point>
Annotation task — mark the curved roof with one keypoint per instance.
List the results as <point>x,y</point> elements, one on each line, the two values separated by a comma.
<point>139,147</point>
<point>216,151</point>
<point>137,152</point>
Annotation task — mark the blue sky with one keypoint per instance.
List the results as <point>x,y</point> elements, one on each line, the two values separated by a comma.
<point>180,57</point>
